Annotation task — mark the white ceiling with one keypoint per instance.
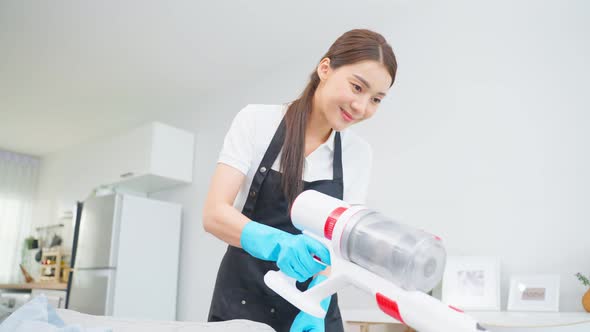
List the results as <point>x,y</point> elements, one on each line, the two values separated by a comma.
<point>73,70</point>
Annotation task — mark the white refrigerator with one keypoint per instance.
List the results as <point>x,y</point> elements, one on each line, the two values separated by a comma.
<point>126,258</point>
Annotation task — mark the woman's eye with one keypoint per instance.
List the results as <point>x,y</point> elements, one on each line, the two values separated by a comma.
<point>376,100</point>
<point>357,87</point>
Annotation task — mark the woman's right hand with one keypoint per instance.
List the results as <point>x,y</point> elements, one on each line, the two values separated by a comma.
<point>292,253</point>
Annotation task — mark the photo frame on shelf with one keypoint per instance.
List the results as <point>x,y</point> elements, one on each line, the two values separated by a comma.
<point>472,283</point>
<point>534,293</point>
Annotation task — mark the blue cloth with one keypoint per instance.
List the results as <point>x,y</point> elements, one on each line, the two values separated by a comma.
<point>292,253</point>
<point>304,322</point>
<point>38,316</point>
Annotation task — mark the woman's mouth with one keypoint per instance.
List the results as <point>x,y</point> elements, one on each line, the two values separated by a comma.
<point>346,116</point>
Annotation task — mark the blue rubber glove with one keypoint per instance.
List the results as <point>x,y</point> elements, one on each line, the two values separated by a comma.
<point>305,322</point>
<point>292,253</point>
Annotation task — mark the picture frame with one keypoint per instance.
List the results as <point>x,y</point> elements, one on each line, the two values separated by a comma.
<point>534,293</point>
<point>472,283</point>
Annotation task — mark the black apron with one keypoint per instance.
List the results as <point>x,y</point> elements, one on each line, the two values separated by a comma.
<point>240,291</point>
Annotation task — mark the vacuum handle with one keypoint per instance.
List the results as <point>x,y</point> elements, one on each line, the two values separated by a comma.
<point>286,288</point>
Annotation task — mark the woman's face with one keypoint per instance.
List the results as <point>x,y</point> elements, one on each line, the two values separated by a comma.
<point>350,93</point>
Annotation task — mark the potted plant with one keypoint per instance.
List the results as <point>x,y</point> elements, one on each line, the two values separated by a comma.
<point>29,243</point>
<point>586,298</point>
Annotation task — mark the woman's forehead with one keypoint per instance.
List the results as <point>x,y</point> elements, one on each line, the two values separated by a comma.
<point>373,72</point>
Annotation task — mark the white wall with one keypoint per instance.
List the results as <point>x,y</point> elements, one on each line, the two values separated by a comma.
<point>483,140</point>
<point>486,139</point>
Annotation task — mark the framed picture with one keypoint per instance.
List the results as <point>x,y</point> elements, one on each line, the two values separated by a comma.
<point>472,283</point>
<point>534,293</point>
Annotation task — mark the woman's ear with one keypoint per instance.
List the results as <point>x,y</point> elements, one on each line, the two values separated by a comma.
<point>324,68</point>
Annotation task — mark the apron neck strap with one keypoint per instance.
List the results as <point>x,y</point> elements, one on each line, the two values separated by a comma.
<point>337,162</point>
<point>278,140</point>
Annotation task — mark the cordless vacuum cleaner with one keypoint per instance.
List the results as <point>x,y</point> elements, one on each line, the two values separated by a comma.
<point>395,263</point>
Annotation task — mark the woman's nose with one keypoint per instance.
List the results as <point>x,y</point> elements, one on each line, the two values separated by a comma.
<point>359,107</point>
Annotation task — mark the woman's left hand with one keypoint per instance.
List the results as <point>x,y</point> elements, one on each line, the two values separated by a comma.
<point>305,322</point>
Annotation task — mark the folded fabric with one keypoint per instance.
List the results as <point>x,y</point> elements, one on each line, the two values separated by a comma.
<point>38,316</point>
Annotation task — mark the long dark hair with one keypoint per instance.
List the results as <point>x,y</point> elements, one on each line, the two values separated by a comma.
<point>352,47</point>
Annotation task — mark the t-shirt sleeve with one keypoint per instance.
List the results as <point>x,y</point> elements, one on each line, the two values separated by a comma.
<point>238,145</point>
<point>356,191</point>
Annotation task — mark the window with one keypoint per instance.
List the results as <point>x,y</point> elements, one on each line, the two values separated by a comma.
<point>19,176</point>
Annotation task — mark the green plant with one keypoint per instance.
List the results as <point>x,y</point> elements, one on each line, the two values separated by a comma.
<point>583,279</point>
<point>29,242</point>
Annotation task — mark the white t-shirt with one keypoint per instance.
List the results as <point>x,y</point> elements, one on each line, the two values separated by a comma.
<point>251,132</point>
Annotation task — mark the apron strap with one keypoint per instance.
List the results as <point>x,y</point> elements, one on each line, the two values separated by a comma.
<point>337,162</point>
<point>271,155</point>
<point>276,144</point>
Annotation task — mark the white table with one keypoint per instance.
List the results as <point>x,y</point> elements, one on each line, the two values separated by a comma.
<point>368,317</point>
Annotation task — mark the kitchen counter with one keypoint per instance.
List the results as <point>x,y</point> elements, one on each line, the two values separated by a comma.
<point>36,285</point>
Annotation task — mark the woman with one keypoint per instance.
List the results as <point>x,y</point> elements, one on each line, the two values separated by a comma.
<point>252,189</point>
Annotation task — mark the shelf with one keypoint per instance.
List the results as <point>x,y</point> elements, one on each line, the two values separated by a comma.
<point>56,253</point>
<point>486,318</point>
<point>530,319</point>
<point>48,227</point>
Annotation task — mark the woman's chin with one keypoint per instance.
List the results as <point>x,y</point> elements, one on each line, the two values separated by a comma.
<point>340,126</point>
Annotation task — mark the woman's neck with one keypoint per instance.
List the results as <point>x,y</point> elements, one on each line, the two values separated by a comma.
<point>317,131</point>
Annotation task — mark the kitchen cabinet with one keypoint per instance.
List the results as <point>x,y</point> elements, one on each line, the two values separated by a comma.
<point>150,158</point>
<point>55,298</point>
<point>13,296</point>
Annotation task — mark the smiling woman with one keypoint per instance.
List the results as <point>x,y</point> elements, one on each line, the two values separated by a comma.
<point>270,154</point>
<point>18,186</point>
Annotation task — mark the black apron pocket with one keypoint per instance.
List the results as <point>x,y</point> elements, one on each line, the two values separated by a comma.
<point>237,303</point>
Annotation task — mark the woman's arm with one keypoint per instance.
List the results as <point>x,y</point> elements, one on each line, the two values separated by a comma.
<point>220,217</point>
